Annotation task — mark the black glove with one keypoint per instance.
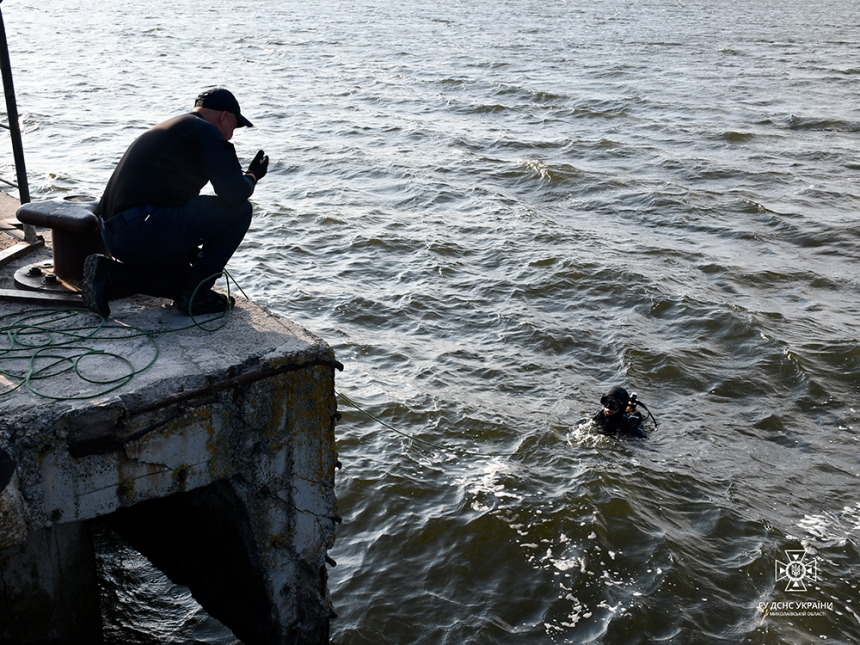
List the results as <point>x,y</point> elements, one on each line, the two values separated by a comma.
<point>259,166</point>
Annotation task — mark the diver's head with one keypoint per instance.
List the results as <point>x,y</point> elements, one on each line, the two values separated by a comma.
<point>614,401</point>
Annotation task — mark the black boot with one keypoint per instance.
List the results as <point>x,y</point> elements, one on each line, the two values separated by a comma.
<point>97,284</point>
<point>204,303</point>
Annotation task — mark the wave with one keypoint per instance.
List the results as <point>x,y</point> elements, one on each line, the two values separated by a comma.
<point>822,123</point>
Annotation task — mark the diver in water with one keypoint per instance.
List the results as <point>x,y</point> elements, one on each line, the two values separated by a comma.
<point>619,415</point>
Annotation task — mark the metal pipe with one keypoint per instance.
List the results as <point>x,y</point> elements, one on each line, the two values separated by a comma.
<point>14,129</point>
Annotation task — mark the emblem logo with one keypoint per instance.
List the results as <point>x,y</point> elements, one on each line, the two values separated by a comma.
<point>797,571</point>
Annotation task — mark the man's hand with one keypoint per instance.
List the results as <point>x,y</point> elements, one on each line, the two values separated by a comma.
<point>259,166</point>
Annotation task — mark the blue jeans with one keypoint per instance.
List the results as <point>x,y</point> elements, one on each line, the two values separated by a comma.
<point>168,252</point>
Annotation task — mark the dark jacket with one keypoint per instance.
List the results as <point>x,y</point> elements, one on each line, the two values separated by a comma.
<point>169,164</point>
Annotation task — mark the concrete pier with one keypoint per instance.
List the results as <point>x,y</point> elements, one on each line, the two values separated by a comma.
<point>214,456</point>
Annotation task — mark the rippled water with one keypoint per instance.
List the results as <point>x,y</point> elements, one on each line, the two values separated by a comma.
<point>493,211</point>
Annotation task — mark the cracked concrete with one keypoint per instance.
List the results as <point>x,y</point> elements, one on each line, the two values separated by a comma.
<point>234,428</point>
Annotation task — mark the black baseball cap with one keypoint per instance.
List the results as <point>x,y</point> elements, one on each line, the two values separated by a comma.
<point>221,99</point>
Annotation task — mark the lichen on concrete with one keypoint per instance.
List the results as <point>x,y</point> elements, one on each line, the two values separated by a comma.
<point>249,409</point>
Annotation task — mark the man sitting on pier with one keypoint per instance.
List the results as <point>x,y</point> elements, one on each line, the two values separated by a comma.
<point>166,239</point>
